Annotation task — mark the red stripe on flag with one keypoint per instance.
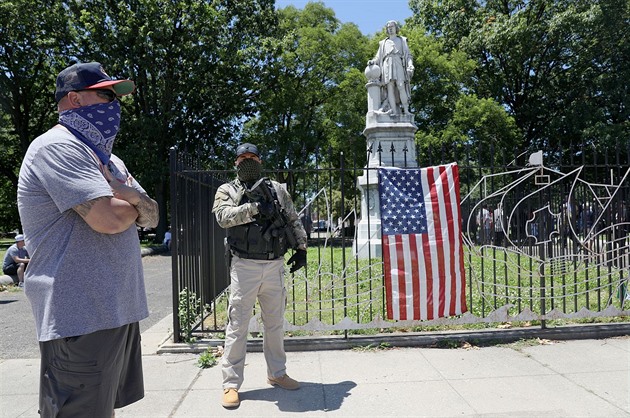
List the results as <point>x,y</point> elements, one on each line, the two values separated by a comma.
<point>448,245</point>
<point>437,233</point>
<point>460,242</point>
<point>415,276</point>
<point>452,238</point>
<point>402,283</point>
<point>387,266</point>
<point>428,269</point>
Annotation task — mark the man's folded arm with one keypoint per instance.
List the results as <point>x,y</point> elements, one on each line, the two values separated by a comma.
<point>148,212</point>
<point>108,215</point>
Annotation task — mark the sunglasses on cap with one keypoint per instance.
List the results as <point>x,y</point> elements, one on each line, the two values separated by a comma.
<point>108,95</point>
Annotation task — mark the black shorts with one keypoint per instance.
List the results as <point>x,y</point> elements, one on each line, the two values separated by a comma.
<point>10,270</point>
<point>90,375</point>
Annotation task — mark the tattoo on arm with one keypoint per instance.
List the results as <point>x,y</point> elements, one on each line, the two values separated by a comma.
<point>148,212</point>
<point>84,208</point>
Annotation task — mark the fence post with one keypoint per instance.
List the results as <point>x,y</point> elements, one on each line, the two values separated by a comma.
<point>174,239</point>
<point>343,237</point>
<point>543,233</point>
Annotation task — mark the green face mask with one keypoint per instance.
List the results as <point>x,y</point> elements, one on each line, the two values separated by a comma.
<point>248,170</point>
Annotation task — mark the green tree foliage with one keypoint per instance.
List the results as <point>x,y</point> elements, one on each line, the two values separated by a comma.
<point>607,97</point>
<point>557,66</point>
<point>439,79</point>
<point>450,118</point>
<point>480,123</point>
<point>312,113</point>
<point>197,66</point>
<point>544,74</point>
<point>33,35</point>
<point>315,94</point>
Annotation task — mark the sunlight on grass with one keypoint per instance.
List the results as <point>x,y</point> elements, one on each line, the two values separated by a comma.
<point>496,277</point>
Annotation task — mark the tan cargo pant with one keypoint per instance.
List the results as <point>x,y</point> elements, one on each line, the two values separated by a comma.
<point>251,279</point>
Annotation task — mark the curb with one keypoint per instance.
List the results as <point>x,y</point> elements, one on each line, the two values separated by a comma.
<point>159,249</point>
<point>428,340</point>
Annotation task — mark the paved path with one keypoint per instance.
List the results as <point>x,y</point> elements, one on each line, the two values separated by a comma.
<point>581,378</point>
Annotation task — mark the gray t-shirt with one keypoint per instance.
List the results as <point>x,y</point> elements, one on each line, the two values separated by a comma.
<point>13,251</point>
<point>78,280</point>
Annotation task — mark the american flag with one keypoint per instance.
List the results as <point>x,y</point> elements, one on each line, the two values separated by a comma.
<point>423,253</point>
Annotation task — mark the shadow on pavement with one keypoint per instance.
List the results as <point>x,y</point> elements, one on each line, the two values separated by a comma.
<point>5,302</point>
<point>310,397</point>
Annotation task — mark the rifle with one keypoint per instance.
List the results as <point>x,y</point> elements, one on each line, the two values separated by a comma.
<point>279,219</point>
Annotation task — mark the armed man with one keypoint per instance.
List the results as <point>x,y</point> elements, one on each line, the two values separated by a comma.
<point>262,225</point>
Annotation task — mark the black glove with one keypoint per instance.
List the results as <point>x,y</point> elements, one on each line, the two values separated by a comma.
<point>298,259</point>
<point>266,209</point>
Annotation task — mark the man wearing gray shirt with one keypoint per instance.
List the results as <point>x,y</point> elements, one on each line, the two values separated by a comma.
<point>16,260</point>
<point>79,208</point>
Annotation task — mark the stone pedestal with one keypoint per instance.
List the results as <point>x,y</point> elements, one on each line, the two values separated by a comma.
<point>368,242</point>
<point>390,143</point>
<point>393,136</point>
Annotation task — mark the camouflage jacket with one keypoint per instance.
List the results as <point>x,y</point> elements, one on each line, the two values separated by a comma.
<point>229,213</point>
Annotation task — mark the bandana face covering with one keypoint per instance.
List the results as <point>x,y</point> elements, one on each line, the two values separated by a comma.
<point>248,170</point>
<point>95,125</point>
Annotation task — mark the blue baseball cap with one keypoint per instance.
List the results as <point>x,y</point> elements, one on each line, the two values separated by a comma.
<point>89,75</point>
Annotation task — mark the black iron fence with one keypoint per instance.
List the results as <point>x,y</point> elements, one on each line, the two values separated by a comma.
<point>542,241</point>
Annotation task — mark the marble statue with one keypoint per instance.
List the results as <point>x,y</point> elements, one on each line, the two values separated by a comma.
<point>393,65</point>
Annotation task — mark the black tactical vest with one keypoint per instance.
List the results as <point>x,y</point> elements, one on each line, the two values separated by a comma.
<point>258,239</point>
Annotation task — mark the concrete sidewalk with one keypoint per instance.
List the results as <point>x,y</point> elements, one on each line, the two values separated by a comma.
<point>534,378</point>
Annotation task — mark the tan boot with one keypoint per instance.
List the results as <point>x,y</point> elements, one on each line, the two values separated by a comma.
<point>230,398</point>
<point>284,382</point>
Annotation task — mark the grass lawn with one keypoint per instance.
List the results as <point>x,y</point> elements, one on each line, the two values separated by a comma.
<point>327,292</point>
<point>4,245</point>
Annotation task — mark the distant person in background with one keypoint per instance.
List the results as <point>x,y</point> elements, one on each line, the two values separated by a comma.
<point>339,229</point>
<point>16,259</point>
<point>167,239</point>
<point>80,208</point>
<point>307,223</point>
<point>498,225</point>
